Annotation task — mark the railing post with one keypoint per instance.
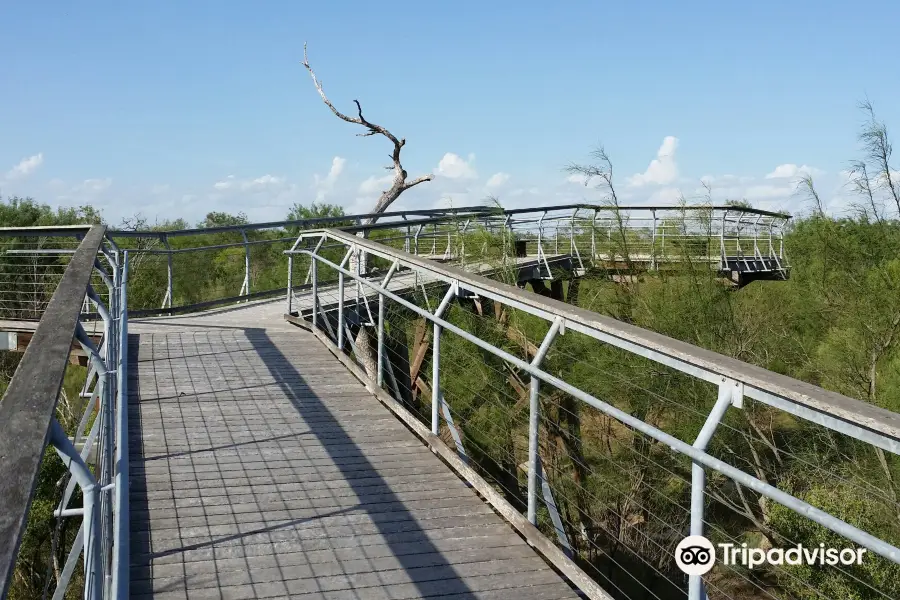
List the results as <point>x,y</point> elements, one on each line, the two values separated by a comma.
<point>121,525</point>
<point>90,491</point>
<point>436,381</point>
<point>314,276</point>
<point>436,361</point>
<point>290,282</point>
<point>169,277</point>
<point>653,244</point>
<point>534,414</point>
<point>384,284</point>
<point>245,288</point>
<point>723,260</point>
<point>730,392</point>
<point>380,378</point>
<point>340,332</point>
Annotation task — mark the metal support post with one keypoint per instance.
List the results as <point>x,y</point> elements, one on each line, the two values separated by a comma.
<point>730,392</point>
<point>121,525</point>
<point>380,370</point>
<point>653,244</point>
<point>534,419</point>
<point>436,361</point>
<point>169,278</point>
<point>313,273</point>
<point>384,284</point>
<point>245,288</point>
<point>290,282</point>
<point>90,490</point>
<point>340,332</point>
<point>723,260</point>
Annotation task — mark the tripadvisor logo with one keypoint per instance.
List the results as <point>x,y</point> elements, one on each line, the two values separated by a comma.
<point>695,555</point>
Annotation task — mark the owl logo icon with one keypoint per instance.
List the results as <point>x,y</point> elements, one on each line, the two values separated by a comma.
<point>695,555</point>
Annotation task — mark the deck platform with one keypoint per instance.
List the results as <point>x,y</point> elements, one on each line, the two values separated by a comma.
<point>262,468</point>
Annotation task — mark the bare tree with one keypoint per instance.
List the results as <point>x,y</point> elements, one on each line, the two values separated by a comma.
<point>878,150</point>
<point>364,343</point>
<point>603,170</point>
<point>399,184</point>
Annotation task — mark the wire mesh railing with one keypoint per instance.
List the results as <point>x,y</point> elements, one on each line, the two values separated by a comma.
<point>621,444</point>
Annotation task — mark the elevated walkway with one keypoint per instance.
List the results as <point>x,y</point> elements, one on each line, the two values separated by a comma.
<point>261,467</point>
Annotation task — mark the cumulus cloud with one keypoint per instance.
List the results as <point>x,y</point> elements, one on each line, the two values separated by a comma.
<point>26,166</point>
<point>662,169</point>
<point>375,185</point>
<point>453,166</point>
<point>324,185</point>
<point>497,179</point>
<point>790,171</point>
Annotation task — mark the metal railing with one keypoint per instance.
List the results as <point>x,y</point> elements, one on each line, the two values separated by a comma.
<point>243,259</point>
<point>91,439</point>
<point>543,403</point>
<point>196,269</point>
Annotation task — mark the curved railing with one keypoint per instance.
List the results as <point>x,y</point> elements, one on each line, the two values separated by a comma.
<point>89,433</point>
<point>528,340</point>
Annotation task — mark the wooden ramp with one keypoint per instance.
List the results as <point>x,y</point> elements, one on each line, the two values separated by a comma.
<point>261,468</point>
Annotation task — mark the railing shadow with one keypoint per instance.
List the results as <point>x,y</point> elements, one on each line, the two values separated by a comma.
<point>284,372</point>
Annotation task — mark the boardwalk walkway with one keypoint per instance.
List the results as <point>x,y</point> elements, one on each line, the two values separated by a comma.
<point>260,467</point>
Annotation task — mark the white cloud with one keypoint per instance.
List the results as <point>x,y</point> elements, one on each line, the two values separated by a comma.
<point>93,185</point>
<point>662,169</point>
<point>454,166</point>
<point>324,185</point>
<point>159,189</point>
<point>497,179</point>
<point>266,181</point>
<point>225,183</point>
<point>26,166</point>
<point>260,183</point>
<point>790,171</point>
<point>375,185</point>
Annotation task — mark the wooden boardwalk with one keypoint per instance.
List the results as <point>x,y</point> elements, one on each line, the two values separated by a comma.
<point>261,468</point>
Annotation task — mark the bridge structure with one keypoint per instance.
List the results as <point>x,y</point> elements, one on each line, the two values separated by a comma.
<point>396,406</point>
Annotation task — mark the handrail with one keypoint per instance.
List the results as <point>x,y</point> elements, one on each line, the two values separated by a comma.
<point>27,408</point>
<point>607,207</point>
<point>296,223</point>
<point>121,525</point>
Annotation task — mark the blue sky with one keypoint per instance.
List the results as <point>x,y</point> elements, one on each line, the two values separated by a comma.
<point>177,108</point>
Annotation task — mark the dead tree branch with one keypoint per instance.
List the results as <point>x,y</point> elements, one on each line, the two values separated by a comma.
<point>399,183</point>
